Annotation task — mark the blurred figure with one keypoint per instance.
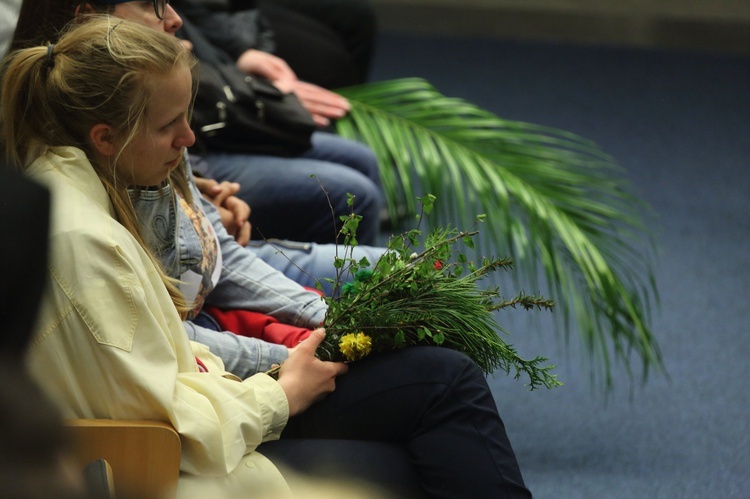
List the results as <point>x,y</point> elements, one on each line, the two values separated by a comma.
<point>34,458</point>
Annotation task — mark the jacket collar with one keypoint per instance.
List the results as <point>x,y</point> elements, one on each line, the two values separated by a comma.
<point>72,166</point>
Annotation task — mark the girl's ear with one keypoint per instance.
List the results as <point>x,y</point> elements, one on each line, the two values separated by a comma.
<point>103,139</point>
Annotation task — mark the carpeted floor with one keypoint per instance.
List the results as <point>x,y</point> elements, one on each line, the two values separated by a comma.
<point>680,125</point>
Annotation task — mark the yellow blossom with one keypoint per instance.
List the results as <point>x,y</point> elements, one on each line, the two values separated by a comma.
<point>355,345</point>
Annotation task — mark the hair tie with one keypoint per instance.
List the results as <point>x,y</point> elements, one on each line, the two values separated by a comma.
<point>51,55</point>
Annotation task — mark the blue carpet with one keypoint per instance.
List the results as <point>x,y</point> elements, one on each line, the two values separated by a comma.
<point>679,123</point>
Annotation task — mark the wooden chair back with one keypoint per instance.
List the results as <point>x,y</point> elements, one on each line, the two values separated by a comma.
<point>144,455</point>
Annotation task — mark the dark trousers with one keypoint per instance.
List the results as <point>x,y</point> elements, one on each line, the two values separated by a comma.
<point>433,402</point>
<point>326,42</point>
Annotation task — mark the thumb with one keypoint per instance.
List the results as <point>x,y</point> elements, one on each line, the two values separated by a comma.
<point>311,343</point>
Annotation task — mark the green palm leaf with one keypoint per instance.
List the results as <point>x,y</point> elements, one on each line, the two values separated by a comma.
<point>554,201</point>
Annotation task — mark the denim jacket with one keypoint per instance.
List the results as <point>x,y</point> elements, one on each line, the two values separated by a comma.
<point>237,280</point>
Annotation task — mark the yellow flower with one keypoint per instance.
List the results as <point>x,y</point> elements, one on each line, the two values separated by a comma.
<point>355,345</point>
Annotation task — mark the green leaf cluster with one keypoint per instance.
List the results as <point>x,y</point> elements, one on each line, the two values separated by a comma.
<point>409,298</point>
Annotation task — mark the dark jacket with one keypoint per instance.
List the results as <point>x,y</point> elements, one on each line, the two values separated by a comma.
<point>233,25</point>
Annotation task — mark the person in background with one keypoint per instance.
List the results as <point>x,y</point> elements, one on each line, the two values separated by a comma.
<point>111,101</point>
<point>280,195</point>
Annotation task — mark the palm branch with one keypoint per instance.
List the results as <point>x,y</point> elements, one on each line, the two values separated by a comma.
<point>555,203</point>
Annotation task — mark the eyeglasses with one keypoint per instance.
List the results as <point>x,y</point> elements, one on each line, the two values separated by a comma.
<point>160,6</point>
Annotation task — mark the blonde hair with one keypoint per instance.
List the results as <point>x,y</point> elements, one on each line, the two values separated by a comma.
<point>102,70</point>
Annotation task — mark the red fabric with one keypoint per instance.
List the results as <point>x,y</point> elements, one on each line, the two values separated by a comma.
<point>316,291</point>
<point>201,366</point>
<point>262,326</point>
<point>257,325</point>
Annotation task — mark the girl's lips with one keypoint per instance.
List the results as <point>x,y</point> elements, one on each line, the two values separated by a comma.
<point>176,161</point>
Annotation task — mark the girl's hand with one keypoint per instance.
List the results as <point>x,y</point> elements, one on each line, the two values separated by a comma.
<point>306,379</point>
<point>234,211</point>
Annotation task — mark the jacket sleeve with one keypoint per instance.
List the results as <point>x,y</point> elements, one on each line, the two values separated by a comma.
<point>111,345</point>
<point>233,26</point>
<point>242,356</point>
<point>248,283</point>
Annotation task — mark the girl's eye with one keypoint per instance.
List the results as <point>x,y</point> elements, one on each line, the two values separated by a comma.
<point>171,123</point>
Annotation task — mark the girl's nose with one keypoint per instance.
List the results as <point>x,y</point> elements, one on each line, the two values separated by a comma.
<point>186,137</point>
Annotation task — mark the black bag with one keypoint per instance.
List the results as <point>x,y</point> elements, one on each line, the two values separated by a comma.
<point>234,112</point>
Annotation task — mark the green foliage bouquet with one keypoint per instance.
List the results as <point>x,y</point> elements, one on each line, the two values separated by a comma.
<point>431,297</point>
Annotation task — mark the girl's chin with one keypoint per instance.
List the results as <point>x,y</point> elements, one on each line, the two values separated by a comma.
<point>159,177</point>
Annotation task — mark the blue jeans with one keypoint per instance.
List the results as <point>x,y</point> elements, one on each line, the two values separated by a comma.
<point>288,195</point>
<point>306,263</point>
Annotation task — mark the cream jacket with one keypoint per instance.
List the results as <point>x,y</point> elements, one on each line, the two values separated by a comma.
<point>109,344</point>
